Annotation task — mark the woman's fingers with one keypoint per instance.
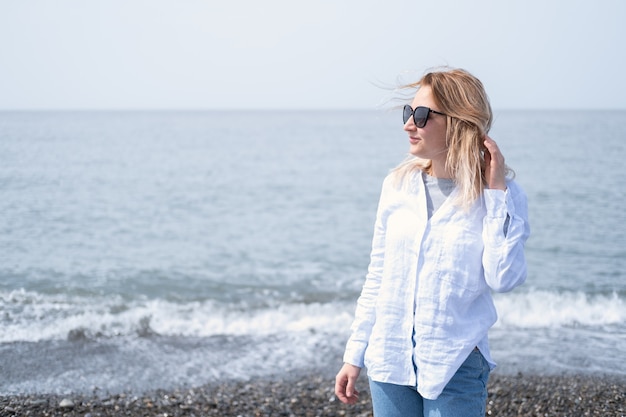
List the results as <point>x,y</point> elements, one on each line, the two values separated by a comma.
<point>495,168</point>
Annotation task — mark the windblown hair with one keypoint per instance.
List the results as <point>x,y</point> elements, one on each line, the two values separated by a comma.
<point>462,97</point>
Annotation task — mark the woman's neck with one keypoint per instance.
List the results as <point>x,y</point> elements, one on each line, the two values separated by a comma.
<point>438,169</point>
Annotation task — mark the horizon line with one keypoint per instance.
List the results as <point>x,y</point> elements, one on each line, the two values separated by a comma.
<point>278,109</point>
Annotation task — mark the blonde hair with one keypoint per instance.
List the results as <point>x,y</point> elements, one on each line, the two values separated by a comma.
<point>462,97</point>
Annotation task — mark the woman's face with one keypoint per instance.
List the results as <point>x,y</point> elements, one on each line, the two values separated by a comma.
<point>428,142</point>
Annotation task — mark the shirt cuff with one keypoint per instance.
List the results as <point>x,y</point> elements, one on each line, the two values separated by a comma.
<point>499,203</point>
<point>354,356</point>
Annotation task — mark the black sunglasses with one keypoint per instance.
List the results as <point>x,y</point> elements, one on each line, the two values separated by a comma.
<point>420,115</point>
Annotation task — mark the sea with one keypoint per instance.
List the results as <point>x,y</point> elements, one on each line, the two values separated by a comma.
<point>144,250</point>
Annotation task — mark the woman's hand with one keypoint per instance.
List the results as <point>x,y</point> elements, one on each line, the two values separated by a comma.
<point>495,168</point>
<point>345,384</point>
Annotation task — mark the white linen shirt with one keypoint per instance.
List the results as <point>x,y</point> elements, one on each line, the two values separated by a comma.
<point>426,302</point>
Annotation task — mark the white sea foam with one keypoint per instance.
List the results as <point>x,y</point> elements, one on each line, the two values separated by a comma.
<point>34,317</point>
<point>537,308</point>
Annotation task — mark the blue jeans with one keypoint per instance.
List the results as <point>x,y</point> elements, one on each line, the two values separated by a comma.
<point>464,396</point>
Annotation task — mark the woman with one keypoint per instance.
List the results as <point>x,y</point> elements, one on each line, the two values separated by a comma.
<point>450,228</point>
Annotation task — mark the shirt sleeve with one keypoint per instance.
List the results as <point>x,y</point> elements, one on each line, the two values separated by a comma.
<point>365,314</point>
<point>505,231</point>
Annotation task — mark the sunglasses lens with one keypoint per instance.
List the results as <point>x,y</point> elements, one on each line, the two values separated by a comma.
<point>406,113</point>
<point>421,116</point>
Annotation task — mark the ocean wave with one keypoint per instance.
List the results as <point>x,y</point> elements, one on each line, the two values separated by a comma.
<point>34,317</point>
<point>548,309</point>
<point>31,317</point>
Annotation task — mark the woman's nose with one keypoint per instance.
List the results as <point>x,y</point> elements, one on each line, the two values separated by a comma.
<point>409,125</point>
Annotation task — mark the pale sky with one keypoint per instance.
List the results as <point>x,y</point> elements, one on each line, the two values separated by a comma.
<point>290,54</point>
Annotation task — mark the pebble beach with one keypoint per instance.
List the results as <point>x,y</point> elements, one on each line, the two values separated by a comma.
<point>312,396</point>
